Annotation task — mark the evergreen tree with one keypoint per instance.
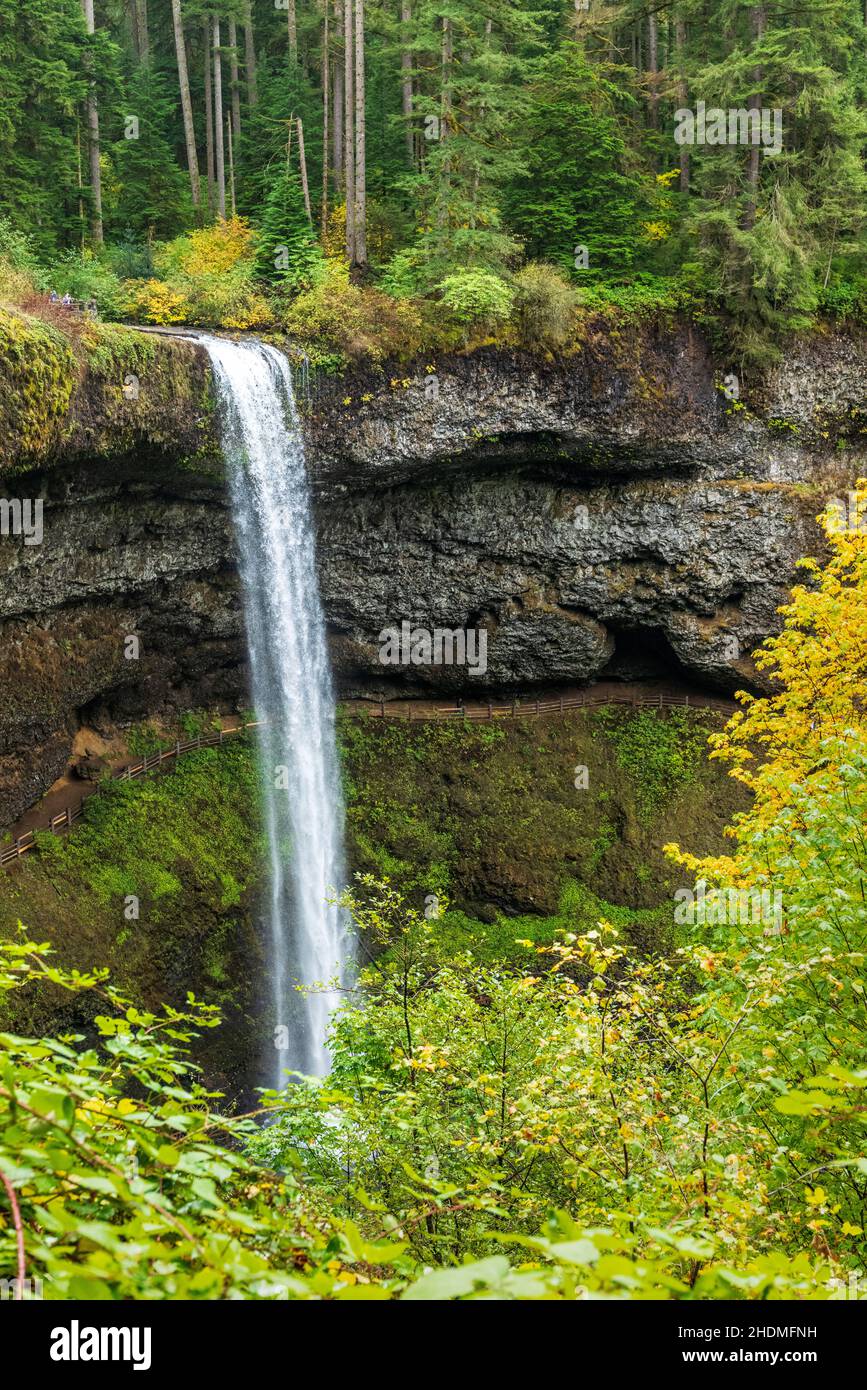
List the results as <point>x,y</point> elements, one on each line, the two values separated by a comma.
<point>767,217</point>
<point>288,253</point>
<point>153,196</point>
<point>579,187</point>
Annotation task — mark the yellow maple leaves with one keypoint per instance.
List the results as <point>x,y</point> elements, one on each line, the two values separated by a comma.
<point>792,738</point>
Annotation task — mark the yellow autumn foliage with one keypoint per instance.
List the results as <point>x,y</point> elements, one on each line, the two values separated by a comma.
<point>795,738</point>
<point>154,301</point>
<point>209,250</point>
<point>206,277</point>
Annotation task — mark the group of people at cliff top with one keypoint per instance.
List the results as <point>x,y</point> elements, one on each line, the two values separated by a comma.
<point>67,302</point>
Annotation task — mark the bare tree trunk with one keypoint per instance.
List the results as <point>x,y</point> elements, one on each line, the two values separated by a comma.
<point>144,43</point>
<point>653,68</point>
<point>96,235</point>
<point>209,117</point>
<point>234,80</point>
<point>302,164</point>
<point>326,91</point>
<point>230,140</point>
<point>349,130</point>
<point>250,55</point>
<point>682,94</point>
<point>758,21</point>
<point>337,98</point>
<point>218,122</point>
<point>293,31</point>
<point>186,104</point>
<point>445,117</point>
<point>360,160</point>
<point>406,87</point>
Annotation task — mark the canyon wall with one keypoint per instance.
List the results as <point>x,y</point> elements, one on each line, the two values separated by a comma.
<point>615,513</point>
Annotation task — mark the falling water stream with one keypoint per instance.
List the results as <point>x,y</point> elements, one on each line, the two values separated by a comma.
<point>292,694</point>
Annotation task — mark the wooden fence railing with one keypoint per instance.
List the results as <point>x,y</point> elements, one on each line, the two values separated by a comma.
<point>66,818</point>
<point>517,709</point>
<point>522,709</point>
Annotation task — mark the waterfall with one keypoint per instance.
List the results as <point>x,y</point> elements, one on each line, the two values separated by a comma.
<point>292,694</point>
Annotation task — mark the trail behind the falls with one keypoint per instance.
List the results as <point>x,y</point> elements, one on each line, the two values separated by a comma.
<point>292,693</point>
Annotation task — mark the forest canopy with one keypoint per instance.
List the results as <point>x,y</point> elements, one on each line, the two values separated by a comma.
<point>431,172</point>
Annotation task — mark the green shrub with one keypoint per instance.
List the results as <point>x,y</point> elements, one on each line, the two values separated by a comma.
<point>87,277</point>
<point>477,298</point>
<point>356,321</point>
<point>845,298</point>
<point>20,272</point>
<point>544,306</point>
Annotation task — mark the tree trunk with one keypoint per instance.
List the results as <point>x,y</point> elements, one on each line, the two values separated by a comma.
<point>653,69</point>
<point>250,55</point>
<point>186,104</point>
<point>218,123</point>
<point>445,119</point>
<point>349,130</point>
<point>93,142</point>
<point>406,87</point>
<point>141,24</point>
<point>230,140</point>
<point>209,117</point>
<point>758,21</point>
<point>293,31</point>
<point>234,80</point>
<point>337,99</point>
<point>360,162</point>
<point>682,95</point>
<point>482,110</point>
<point>326,92</point>
<point>80,185</point>
<point>302,164</point>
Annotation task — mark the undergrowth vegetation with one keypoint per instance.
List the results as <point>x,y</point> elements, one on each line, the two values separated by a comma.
<point>553,1113</point>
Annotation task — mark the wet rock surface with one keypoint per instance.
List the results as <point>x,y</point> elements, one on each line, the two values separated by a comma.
<point>611,515</point>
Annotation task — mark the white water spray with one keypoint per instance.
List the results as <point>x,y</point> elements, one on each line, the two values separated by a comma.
<point>292,692</point>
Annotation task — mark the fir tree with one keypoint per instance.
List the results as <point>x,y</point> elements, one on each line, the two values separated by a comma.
<point>288,253</point>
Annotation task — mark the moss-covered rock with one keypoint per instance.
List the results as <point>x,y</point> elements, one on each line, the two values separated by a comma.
<point>497,817</point>
<point>159,884</point>
<point>75,388</point>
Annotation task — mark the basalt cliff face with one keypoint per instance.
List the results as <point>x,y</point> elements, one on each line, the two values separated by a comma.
<point>615,513</point>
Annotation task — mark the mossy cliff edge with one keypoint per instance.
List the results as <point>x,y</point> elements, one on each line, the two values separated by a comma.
<point>76,389</point>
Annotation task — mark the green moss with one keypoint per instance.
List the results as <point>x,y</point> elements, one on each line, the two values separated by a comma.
<point>38,373</point>
<point>111,350</point>
<point>512,939</point>
<point>489,815</point>
<point>188,846</point>
<point>661,755</point>
<point>195,828</point>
